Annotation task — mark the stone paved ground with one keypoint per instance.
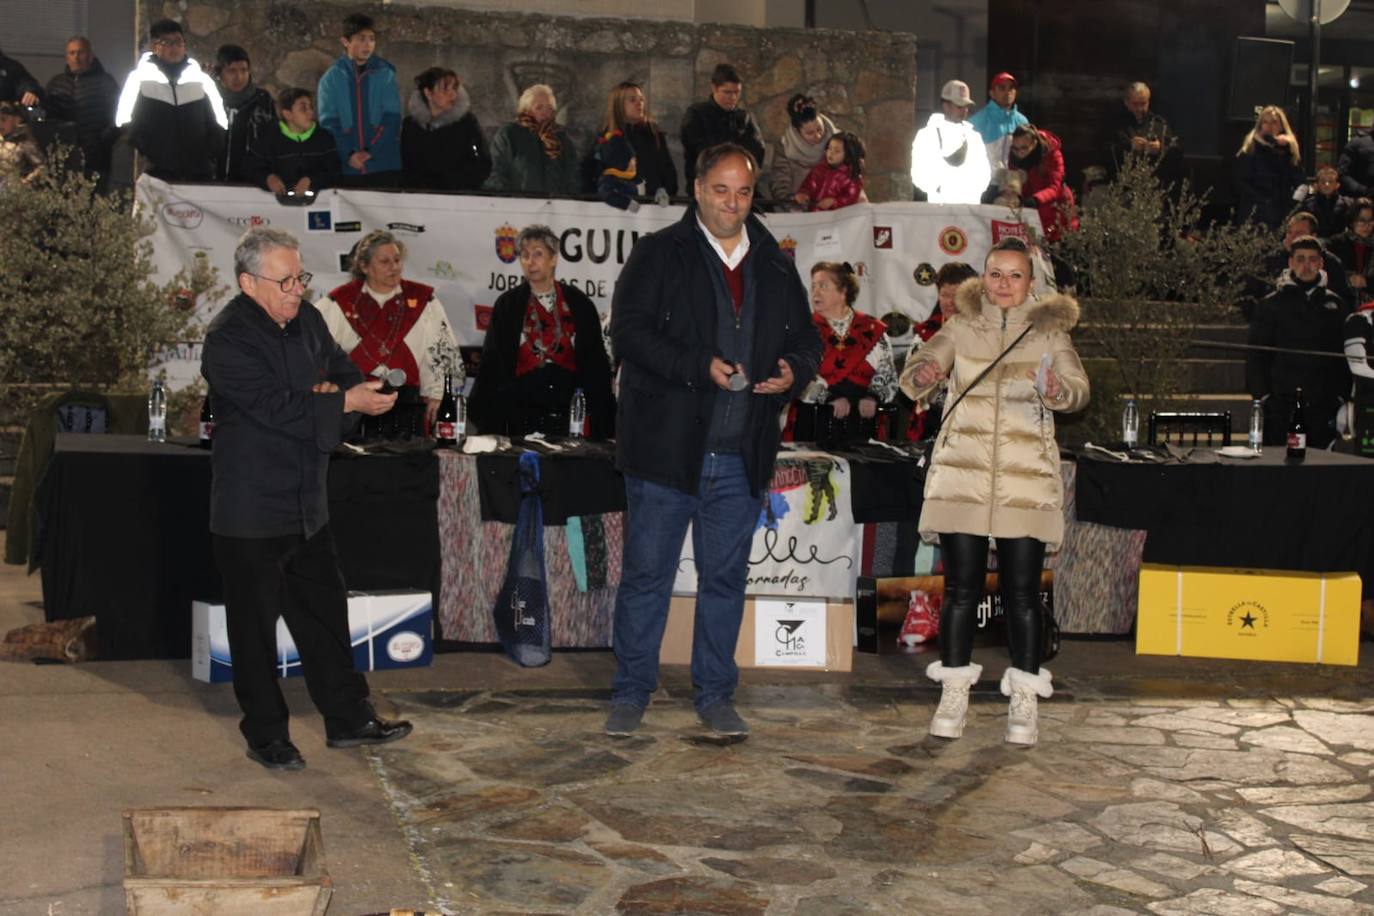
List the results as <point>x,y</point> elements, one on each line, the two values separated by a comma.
<point>1166,798</point>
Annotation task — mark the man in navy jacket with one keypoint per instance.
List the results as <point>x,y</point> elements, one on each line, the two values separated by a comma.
<point>716,337</point>
<point>284,395</point>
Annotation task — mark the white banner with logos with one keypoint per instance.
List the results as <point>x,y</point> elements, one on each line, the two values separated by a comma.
<point>464,247</point>
<point>806,543</point>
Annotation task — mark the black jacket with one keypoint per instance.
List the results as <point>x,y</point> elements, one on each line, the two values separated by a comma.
<point>497,394</point>
<point>663,323</point>
<point>447,153</point>
<point>1274,270</point>
<point>248,123</point>
<point>1356,166</point>
<point>1300,319</point>
<point>1123,127</point>
<point>273,435</point>
<point>1357,254</point>
<point>87,100</point>
<point>290,160</point>
<point>1264,181</point>
<point>15,80</point>
<point>174,117</point>
<point>705,124</point>
<point>1332,213</point>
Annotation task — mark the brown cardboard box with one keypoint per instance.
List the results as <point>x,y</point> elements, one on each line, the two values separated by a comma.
<point>839,636</point>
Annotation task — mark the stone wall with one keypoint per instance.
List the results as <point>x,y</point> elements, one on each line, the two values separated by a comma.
<point>864,80</point>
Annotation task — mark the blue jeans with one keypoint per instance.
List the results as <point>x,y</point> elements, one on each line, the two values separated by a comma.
<point>723,516</point>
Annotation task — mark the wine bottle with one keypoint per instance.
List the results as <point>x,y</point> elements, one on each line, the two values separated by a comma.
<point>207,422</point>
<point>446,420</point>
<point>1297,431</point>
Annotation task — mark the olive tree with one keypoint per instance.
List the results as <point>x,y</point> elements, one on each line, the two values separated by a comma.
<point>1150,270</point>
<point>79,304</point>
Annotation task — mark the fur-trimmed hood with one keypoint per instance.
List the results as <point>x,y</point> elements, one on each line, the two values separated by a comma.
<point>418,109</point>
<point>1055,312</point>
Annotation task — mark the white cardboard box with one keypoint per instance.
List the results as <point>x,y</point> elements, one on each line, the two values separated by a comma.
<point>388,629</point>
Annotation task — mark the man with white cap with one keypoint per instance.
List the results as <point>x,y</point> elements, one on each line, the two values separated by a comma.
<point>998,119</point>
<point>949,161</point>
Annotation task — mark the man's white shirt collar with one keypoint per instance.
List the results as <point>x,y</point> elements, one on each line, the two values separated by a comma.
<point>733,259</point>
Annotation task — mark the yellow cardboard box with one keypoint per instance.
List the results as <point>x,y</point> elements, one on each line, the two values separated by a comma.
<point>837,631</point>
<point>1264,615</point>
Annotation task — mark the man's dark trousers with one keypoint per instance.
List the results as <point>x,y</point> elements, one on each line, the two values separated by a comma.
<point>298,579</point>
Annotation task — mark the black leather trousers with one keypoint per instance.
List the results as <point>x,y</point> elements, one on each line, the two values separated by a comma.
<point>1019,563</point>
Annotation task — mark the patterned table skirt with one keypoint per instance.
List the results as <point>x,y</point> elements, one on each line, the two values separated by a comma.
<point>1096,572</point>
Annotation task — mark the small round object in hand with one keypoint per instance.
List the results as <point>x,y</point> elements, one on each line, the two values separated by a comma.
<point>738,382</point>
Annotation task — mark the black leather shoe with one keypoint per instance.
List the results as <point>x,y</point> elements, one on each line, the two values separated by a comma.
<point>277,755</point>
<point>373,731</point>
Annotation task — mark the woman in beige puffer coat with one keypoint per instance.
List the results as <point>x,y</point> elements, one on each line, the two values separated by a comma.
<point>995,472</point>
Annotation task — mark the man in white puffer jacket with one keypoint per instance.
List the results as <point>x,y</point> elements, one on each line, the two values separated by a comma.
<point>949,160</point>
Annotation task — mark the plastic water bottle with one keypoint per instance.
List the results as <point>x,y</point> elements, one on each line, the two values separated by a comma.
<point>1256,438</point>
<point>577,414</point>
<point>1130,424</point>
<point>157,413</point>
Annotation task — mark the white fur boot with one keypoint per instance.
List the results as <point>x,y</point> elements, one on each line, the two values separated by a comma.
<point>953,709</point>
<point>1023,716</point>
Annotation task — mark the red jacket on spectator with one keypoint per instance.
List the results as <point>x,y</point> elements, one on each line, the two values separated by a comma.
<point>1045,186</point>
<point>825,180</point>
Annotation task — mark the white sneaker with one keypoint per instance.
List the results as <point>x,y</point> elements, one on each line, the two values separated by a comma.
<point>950,715</point>
<point>1023,716</point>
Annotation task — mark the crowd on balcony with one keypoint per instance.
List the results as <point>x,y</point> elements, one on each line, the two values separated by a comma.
<point>363,126</point>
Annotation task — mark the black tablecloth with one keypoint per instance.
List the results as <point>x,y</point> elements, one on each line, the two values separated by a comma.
<point>580,480</point>
<point>125,534</point>
<point>1258,513</point>
<point>583,481</point>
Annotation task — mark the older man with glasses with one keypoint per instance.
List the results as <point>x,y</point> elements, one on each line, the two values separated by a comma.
<point>284,395</point>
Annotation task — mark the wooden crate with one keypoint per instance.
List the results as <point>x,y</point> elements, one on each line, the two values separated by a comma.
<point>225,861</point>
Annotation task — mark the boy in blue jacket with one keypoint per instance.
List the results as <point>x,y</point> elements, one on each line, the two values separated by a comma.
<point>360,105</point>
<point>998,119</point>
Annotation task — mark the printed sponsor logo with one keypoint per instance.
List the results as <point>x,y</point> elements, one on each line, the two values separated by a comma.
<point>882,236</point>
<point>482,316</point>
<point>924,274</point>
<point>405,227</point>
<point>790,637</point>
<point>182,215</point>
<point>952,240</point>
<point>788,246</point>
<point>250,221</point>
<point>505,243</point>
<point>1002,229</point>
<point>1248,618</point>
<point>345,262</point>
<point>319,220</point>
<point>405,646</point>
<point>443,269</point>
<point>351,225</point>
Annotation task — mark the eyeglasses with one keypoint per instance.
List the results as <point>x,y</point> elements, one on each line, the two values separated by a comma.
<point>177,41</point>
<point>303,278</point>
